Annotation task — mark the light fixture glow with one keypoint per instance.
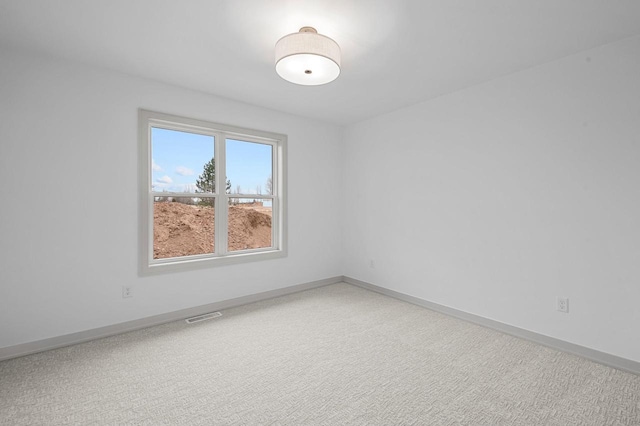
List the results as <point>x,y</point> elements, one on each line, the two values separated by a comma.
<point>307,58</point>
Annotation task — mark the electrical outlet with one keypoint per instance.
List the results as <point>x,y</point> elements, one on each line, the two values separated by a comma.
<point>127,291</point>
<point>371,264</point>
<point>563,304</point>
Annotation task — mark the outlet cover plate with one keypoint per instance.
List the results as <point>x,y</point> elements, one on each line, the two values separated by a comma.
<point>127,291</point>
<point>563,305</point>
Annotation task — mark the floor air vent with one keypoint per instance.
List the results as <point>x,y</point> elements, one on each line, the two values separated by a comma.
<point>203,317</point>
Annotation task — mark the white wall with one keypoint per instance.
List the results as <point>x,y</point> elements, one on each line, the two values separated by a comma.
<point>68,227</point>
<point>492,200</point>
<point>496,199</point>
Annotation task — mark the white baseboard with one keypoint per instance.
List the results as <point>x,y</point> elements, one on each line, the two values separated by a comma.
<point>110,330</point>
<point>98,333</point>
<point>582,351</point>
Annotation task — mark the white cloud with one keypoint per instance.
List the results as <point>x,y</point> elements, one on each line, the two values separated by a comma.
<point>184,171</point>
<point>165,179</point>
<point>155,167</point>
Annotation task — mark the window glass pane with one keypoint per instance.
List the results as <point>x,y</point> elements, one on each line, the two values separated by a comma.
<point>182,226</point>
<point>181,161</point>
<point>249,167</point>
<point>249,224</point>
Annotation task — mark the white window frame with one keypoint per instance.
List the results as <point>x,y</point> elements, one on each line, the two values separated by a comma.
<point>148,265</point>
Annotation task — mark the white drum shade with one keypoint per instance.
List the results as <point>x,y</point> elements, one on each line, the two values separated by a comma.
<point>307,58</point>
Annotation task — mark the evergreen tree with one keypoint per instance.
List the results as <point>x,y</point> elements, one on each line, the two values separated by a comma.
<point>206,182</point>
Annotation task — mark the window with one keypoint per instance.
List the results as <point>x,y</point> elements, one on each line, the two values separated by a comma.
<point>210,194</point>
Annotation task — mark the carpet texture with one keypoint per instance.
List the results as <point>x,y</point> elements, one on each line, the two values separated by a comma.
<point>336,355</point>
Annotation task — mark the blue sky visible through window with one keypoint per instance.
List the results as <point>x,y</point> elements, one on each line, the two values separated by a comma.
<point>178,158</point>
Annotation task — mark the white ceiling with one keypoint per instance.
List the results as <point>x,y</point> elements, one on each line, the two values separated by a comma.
<point>394,52</point>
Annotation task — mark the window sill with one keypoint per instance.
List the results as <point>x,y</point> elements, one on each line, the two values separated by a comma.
<point>179,265</point>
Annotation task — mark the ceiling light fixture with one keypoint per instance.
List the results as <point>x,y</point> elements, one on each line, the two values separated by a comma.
<point>307,58</point>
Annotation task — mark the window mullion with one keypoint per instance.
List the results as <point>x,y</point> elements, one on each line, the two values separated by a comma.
<point>221,205</point>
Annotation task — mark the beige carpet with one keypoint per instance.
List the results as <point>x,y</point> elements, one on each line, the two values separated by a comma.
<point>335,355</point>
